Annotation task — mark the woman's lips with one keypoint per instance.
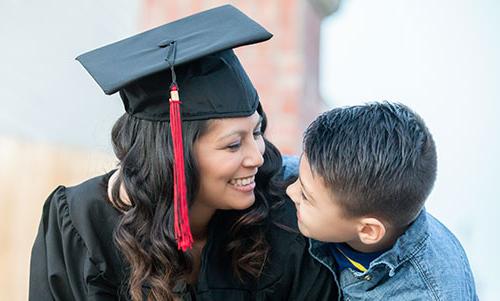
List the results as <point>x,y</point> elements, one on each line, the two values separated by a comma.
<point>246,184</point>
<point>244,188</point>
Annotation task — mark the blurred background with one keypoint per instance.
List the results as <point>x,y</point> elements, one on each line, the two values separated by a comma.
<point>439,57</point>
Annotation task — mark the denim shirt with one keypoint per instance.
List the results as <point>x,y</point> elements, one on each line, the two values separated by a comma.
<point>427,262</point>
<point>290,166</point>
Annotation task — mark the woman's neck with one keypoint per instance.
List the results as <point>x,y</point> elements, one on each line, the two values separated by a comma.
<point>199,218</point>
<point>123,193</point>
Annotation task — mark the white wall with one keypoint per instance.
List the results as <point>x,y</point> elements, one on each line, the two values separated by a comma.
<point>442,59</point>
<point>54,119</point>
<point>45,94</point>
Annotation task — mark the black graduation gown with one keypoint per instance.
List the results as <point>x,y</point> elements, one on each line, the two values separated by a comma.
<point>74,257</point>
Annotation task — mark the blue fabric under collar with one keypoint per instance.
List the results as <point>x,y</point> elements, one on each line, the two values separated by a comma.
<point>407,245</point>
<point>347,257</point>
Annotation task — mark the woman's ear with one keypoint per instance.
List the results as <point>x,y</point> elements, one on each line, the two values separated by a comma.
<point>371,230</point>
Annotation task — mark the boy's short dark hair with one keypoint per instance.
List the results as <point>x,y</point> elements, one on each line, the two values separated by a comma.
<point>377,159</point>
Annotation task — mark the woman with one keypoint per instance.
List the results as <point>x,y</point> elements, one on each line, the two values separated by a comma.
<point>124,235</point>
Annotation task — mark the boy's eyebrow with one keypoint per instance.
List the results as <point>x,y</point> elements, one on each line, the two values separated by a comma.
<point>308,195</point>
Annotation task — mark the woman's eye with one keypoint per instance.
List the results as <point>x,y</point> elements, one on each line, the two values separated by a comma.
<point>257,133</point>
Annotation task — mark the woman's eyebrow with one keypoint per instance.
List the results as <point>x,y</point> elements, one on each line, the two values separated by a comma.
<point>241,132</point>
<point>234,133</point>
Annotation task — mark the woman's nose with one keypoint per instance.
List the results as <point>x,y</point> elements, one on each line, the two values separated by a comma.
<point>254,157</point>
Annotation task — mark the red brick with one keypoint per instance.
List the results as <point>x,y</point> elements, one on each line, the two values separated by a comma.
<point>284,69</point>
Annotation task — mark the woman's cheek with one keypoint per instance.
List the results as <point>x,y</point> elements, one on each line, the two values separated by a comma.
<point>261,145</point>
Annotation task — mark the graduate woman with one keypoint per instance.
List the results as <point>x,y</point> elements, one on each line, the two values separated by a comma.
<point>194,211</point>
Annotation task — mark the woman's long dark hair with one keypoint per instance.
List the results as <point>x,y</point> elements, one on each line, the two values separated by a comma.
<point>145,234</point>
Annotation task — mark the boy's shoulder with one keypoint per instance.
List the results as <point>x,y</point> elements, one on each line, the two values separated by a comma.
<point>430,261</point>
<point>441,239</point>
<point>442,250</point>
<point>426,262</point>
<point>443,263</point>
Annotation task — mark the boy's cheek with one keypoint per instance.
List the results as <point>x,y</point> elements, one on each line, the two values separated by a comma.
<point>309,224</point>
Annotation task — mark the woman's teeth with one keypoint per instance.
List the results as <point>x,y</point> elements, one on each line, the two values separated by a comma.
<point>242,181</point>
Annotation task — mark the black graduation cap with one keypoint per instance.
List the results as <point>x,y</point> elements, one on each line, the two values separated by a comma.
<point>211,81</point>
<point>191,58</point>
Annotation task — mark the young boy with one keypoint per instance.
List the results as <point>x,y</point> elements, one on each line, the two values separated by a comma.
<point>364,176</point>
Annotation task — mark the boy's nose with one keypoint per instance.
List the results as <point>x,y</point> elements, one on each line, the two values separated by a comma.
<point>290,191</point>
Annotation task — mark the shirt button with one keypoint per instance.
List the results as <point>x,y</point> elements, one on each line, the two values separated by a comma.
<point>367,277</point>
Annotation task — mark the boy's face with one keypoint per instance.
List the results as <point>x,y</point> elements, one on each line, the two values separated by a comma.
<point>318,212</point>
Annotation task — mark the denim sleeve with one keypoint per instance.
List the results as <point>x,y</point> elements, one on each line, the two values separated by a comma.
<point>290,166</point>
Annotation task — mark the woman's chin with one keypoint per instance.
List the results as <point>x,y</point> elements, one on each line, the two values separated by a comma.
<point>242,203</point>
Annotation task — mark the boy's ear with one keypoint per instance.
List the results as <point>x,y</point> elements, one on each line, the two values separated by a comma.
<point>371,230</point>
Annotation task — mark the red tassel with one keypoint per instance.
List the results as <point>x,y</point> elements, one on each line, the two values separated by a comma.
<point>181,218</point>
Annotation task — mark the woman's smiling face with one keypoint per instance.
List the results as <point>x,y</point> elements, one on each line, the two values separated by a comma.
<point>228,156</point>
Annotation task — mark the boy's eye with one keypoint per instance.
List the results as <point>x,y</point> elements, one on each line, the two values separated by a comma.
<point>303,196</point>
<point>234,146</point>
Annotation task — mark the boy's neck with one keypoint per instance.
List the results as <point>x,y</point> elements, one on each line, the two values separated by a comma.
<point>384,244</point>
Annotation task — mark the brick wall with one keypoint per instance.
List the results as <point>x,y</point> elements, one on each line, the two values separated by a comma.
<point>284,69</point>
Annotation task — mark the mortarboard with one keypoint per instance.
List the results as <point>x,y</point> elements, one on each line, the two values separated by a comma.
<point>207,71</point>
<point>207,75</point>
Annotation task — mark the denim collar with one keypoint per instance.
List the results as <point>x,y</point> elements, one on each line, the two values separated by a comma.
<point>405,247</point>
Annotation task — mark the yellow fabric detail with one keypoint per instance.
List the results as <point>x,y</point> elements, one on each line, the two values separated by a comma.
<point>356,264</point>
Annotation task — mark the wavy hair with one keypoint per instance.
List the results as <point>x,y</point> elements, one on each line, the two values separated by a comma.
<point>145,234</point>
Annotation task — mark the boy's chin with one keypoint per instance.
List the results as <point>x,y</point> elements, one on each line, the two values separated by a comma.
<point>303,230</point>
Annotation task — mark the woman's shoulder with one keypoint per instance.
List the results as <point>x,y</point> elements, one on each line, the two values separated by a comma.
<point>74,245</point>
<point>89,201</point>
<point>84,209</point>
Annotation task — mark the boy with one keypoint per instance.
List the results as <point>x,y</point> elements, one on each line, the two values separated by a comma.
<point>363,179</point>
